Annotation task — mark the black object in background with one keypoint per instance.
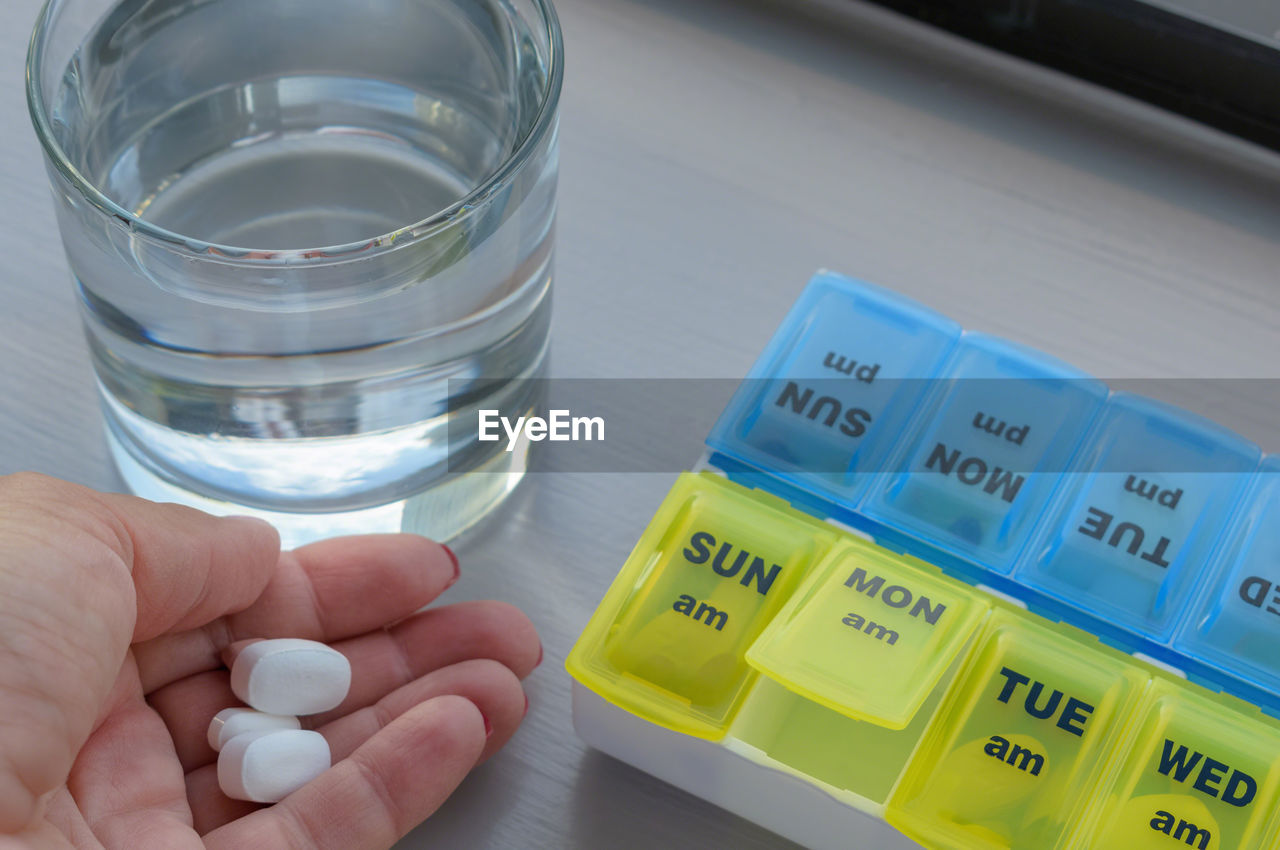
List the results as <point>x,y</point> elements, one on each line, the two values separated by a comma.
<point>1214,61</point>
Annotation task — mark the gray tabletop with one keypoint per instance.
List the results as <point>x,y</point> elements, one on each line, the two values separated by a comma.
<point>714,153</point>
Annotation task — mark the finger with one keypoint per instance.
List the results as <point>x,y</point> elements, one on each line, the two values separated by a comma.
<point>342,587</point>
<point>325,591</point>
<point>493,689</point>
<point>127,783</point>
<point>381,661</point>
<point>187,707</point>
<point>490,686</point>
<point>189,567</point>
<point>82,573</point>
<point>386,787</point>
<point>384,660</point>
<point>210,808</point>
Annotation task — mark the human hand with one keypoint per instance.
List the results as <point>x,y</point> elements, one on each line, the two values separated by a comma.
<point>116,618</point>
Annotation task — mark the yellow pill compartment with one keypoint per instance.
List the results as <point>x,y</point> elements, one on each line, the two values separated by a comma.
<point>717,562</point>
<point>853,668</point>
<point>1199,773</point>
<point>869,634</point>
<point>856,761</point>
<point>1028,730</point>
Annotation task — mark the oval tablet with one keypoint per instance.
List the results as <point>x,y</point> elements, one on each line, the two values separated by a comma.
<point>266,767</point>
<point>291,676</point>
<point>230,722</point>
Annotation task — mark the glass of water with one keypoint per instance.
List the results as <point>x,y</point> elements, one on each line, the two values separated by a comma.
<point>310,240</point>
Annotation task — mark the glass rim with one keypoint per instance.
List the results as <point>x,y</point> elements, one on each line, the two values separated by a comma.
<point>408,234</point>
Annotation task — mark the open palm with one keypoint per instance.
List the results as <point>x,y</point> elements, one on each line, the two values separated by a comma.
<point>116,619</point>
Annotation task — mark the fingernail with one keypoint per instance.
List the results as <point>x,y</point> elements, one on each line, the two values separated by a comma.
<point>526,705</point>
<point>457,571</point>
<point>539,661</point>
<point>488,727</point>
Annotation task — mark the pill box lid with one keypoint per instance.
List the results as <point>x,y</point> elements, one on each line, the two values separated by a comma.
<point>1136,435</point>
<point>1190,743</point>
<point>954,784</point>
<point>1000,358</point>
<point>1233,627</point>
<point>1132,420</point>
<point>869,634</point>
<point>1054,401</point>
<point>841,309</point>
<point>593,661</point>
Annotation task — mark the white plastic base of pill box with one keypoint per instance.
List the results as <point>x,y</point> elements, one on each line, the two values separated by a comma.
<point>775,800</point>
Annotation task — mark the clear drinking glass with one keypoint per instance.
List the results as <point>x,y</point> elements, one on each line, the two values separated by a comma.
<point>310,239</point>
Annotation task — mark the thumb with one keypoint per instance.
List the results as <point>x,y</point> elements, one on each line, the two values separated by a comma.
<point>80,573</point>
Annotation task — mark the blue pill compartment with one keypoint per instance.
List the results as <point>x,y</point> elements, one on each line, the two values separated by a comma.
<point>987,451</point>
<point>827,400</point>
<point>1235,621</point>
<point>1140,515</point>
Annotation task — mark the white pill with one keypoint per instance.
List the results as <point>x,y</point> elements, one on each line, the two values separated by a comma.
<point>291,676</point>
<point>266,767</point>
<point>230,722</point>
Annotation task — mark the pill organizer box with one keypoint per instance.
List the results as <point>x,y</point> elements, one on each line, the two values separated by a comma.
<point>944,580</point>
